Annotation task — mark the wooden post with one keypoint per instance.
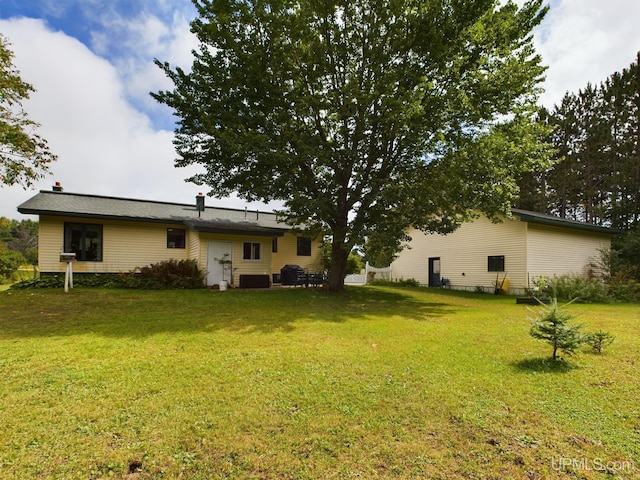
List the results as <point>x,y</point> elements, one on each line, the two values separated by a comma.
<point>68,276</point>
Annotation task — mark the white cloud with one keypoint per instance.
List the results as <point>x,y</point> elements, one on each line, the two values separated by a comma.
<point>132,42</point>
<point>172,43</point>
<point>105,146</point>
<point>586,41</point>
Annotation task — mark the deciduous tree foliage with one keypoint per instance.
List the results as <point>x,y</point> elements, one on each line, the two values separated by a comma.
<point>19,237</point>
<point>24,155</point>
<point>364,117</point>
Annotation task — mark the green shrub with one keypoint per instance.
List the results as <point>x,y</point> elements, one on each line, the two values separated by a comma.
<point>175,274</point>
<point>581,289</point>
<point>170,274</point>
<point>46,281</point>
<point>619,287</point>
<point>624,288</point>
<point>409,282</point>
<point>104,280</point>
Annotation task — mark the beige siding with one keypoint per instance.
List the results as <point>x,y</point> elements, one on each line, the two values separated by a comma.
<point>287,255</point>
<point>269,262</point>
<point>193,247</point>
<point>125,246</point>
<point>50,244</point>
<point>530,250</point>
<point>463,254</point>
<point>128,245</point>
<point>562,251</point>
<point>239,266</point>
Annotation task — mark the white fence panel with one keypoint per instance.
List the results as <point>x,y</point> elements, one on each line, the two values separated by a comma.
<point>355,279</point>
<point>373,273</point>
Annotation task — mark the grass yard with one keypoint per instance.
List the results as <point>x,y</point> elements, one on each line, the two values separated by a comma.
<point>300,384</point>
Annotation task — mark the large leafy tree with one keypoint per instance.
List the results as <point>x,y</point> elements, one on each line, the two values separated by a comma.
<point>364,117</point>
<point>24,155</point>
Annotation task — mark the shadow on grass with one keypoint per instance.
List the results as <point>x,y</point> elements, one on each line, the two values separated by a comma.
<point>138,314</point>
<point>543,365</point>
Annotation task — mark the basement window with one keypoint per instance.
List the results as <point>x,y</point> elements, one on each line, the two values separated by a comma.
<point>251,251</point>
<point>495,263</point>
<point>176,237</point>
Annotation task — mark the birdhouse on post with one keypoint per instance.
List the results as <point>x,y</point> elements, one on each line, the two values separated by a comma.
<point>68,258</point>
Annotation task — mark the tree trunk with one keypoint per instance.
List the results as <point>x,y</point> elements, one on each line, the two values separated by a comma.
<point>338,269</point>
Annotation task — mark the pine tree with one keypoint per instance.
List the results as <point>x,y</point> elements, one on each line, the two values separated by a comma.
<point>552,324</point>
<point>596,177</point>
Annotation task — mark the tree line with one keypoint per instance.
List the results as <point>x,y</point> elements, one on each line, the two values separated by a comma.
<point>596,174</point>
<point>18,245</point>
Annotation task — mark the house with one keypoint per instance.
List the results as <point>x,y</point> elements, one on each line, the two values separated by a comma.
<point>111,235</point>
<point>481,253</point>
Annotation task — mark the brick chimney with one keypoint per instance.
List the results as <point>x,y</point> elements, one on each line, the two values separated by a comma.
<point>57,187</point>
<point>200,203</point>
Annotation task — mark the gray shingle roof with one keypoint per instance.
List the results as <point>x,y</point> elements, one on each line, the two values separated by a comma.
<point>542,218</point>
<point>212,219</point>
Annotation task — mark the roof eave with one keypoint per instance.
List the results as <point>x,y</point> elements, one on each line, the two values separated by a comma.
<point>565,224</point>
<point>239,231</point>
<point>95,216</point>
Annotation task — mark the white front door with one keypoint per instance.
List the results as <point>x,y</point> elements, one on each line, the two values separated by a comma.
<point>215,251</point>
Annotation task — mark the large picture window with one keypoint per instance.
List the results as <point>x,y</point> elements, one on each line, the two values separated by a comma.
<point>85,240</point>
<point>304,247</point>
<point>176,237</point>
<point>251,251</point>
<point>495,263</point>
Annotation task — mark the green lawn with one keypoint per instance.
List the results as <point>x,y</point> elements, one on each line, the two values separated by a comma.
<point>297,383</point>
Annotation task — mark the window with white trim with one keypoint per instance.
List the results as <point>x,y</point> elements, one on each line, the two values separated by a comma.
<point>176,237</point>
<point>251,251</point>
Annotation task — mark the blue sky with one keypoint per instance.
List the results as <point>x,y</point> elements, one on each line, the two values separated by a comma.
<point>127,33</point>
<point>91,63</point>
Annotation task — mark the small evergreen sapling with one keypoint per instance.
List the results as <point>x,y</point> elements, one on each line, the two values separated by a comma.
<point>552,324</point>
<point>598,340</point>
